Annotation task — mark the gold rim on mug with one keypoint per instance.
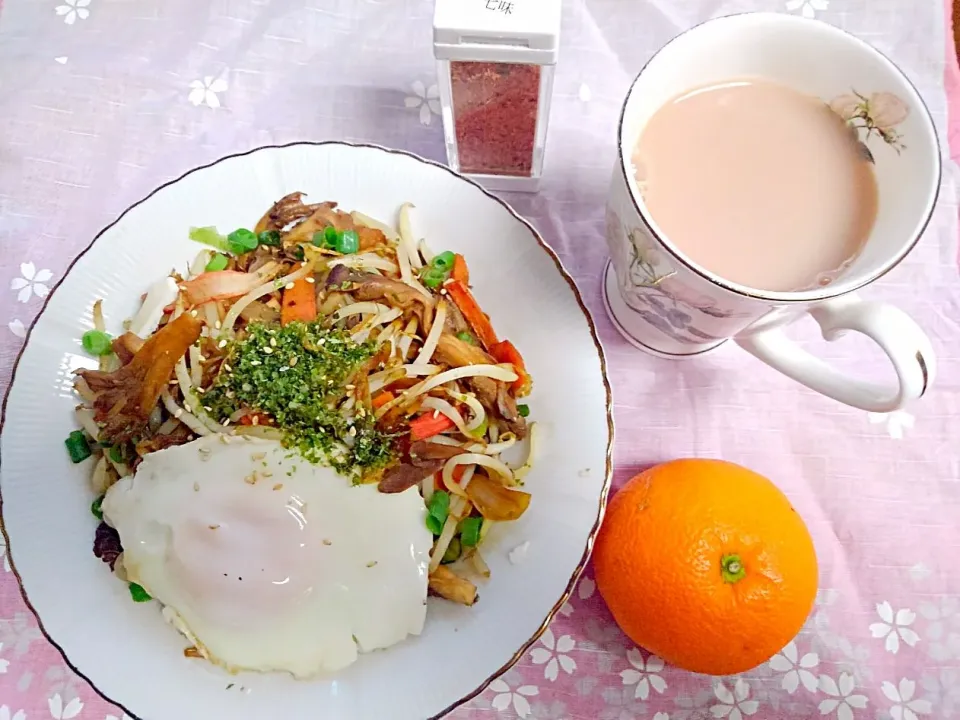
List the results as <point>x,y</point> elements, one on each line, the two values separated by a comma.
<point>608,469</point>
<point>743,290</point>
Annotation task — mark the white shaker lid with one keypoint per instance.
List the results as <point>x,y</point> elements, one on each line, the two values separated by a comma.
<point>518,31</point>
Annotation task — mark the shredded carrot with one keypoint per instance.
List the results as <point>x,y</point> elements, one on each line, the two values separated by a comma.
<point>472,313</point>
<point>460,273</point>
<point>506,352</point>
<point>429,424</point>
<point>381,399</point>
<point>438,482</point>
<point>299,302</point>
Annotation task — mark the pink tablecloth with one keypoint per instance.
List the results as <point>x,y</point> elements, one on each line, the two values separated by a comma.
<point>102,100</point>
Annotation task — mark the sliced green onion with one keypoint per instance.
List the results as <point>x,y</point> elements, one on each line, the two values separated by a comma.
<point>298,252</point>
<point>97,342</point>
<point>439,505</point>
<point>242,241</point>
<point>77,446</point>
<point>139,594</point>
<point>270,238</point>
<point>524,410</point>
<point>433,278</point>
<point>470,531</point>
<point>443,261</point>
<point>115,454</point>
<point>209,236</point>
<point>348,242</point>
<point>482,428</point>
<point>217,262</point>
<point>434,525</point>
<point>454,549</point>
<point>467,338</point>
<point>95,508</point>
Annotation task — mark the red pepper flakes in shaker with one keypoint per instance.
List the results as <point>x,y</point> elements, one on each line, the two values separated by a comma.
<point>496,61</point>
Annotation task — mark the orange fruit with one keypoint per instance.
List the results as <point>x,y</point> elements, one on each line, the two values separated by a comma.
<point>707,565</point>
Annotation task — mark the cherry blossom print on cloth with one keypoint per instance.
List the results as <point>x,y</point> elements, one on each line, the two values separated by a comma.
<point>105,101</point>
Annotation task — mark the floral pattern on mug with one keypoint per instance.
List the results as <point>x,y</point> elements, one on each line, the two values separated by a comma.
<point>878,113</point>
<point>650,287</point>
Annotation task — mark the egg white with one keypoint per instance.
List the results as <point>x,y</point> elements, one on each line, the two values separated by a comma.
<point>268,562</point>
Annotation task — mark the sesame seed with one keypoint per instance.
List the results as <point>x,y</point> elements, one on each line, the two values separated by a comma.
<point>179,413</point>
<point>284,368</point>
<point>353,431</point>
<point>289,286</point>
<point>226,422</point>
<point>268,351</point>
<point>251,479</point>
<point>255,363</point>
<point>222,344</point>
<point>217,325</point>
<point>208,408</point>
<point>278,486</point>
<point>350,387</point>
<point>187,408</point>
<point>194,313</point>
<point>213,527</point>
<point>293,360</point>
<point>327,542</point>
<point>256,420</point>
<point>273,342</point>
<point>311,279</point>
<point>227,367</point>
<point>372,563</point>
<point>196,487</point>
<point>258,456</point>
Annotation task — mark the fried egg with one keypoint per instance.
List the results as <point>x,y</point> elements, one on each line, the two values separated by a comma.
<point>270,563</point>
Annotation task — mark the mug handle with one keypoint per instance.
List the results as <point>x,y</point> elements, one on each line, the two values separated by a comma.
<point>893,330</point>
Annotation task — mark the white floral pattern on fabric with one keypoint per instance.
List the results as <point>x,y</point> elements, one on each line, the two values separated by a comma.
<point>505,697</point>
<point>797,670</point>
<point>943,632</point>
<point>425,98</point>
<point>32,282</point>
<point>62,59</point>
<point>808,8</point>
<point>894,627</point>
<point>842,699</point>
<point>4,664</point>
<point>586,587</point>
<point>59,711</point>
<point>661,716</point>
<point>17,328</point>
<point>7,714</point>
<point>72,10</point>
<point>204,92</point>
<point>905,707</point>
<point>897,422</point>
<point>644,674</point>
<point>733,704</point>
<point>584,93</point>
<point>553,655</point>
<point>118,717</point>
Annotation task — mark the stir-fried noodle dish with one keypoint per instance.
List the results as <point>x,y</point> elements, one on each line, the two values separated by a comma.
<point>348,342</point>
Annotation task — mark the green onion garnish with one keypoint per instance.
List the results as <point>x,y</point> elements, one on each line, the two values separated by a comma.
<point>434,525</point>
<point>242,240</point>
<point>348,242</point>
<point>270,238</point>
<point>524,410</point>
<point>209,236</point>
<point>77,446</point>
<point>95,508</point>
<point>443,261</point>
<point>97,342</point>
<point>454,549</point>
<point>467,338</point>
<point>115,454</point>
<point>470,531</point>
<point>139,594</point>
<point>217,262</point>
<point>432,277</point>
<point>439,505</point>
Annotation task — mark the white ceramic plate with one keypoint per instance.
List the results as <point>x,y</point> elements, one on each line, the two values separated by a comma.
<point>125,650</point>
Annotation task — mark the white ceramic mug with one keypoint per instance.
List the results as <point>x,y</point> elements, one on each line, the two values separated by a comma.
<point>665,303</point>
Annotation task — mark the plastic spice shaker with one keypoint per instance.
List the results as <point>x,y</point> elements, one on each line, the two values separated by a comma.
<point>496,61</point>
